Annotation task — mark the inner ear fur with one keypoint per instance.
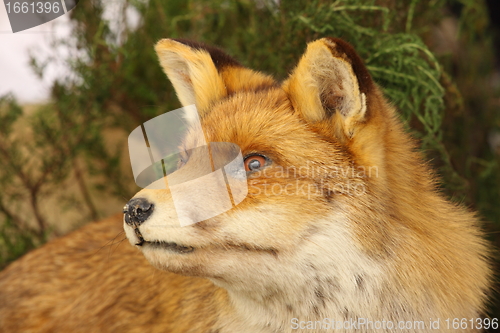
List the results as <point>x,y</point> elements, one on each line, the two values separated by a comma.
<point>203,74</point>
<point>330,81</point>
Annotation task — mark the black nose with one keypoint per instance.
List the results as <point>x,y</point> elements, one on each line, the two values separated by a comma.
<point>137,211</point>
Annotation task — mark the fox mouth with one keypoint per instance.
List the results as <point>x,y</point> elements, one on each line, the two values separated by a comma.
<point>171,246</point>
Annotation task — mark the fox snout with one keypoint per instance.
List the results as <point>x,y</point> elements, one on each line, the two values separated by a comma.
<point>137,211</point>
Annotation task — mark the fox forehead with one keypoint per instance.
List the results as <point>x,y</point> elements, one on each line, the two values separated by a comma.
<point>264,121</point>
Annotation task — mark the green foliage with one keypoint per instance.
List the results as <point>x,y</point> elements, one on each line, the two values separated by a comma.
<point>12,112</point>
<point>14,242</point>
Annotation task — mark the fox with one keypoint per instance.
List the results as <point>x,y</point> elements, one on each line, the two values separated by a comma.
<point>343,226</point>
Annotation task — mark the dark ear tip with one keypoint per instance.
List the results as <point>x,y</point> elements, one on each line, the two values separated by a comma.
<point>191,43</point>
<point>219,57</point>
<point>341,47</point>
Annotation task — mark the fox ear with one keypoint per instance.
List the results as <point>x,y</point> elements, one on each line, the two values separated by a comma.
<point>192,72</point>
<point>203,74</point>
<point>330,81</point>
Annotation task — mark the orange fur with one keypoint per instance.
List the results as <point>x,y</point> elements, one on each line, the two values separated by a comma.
<point>343,222</point>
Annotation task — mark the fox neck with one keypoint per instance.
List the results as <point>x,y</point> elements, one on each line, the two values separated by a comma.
<point>327,277</point>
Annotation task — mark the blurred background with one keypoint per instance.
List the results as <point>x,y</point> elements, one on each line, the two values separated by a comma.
<point>71,90</point>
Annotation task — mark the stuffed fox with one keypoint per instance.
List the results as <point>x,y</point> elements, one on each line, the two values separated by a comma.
<point>356,239</point>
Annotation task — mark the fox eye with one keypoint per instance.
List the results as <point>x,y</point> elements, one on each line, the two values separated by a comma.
<point>181,161</point>
<point>254,162</point>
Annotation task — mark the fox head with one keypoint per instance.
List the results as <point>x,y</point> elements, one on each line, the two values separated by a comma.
<point>340,207</point>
